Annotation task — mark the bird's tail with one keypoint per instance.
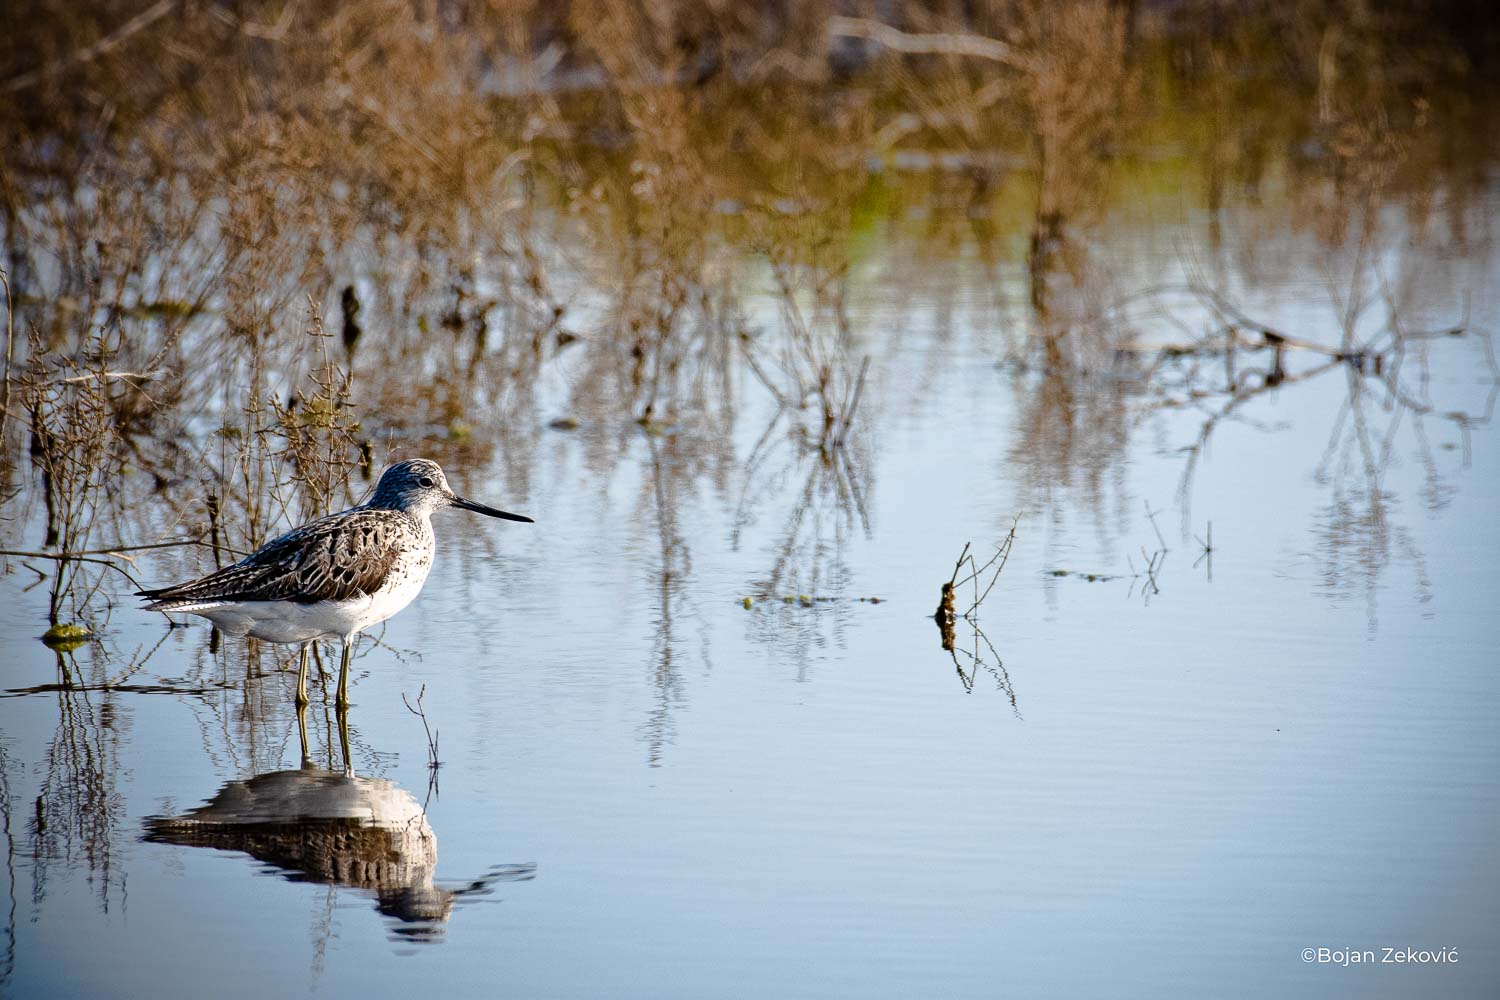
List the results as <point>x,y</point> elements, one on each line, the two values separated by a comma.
<point>168,599</point>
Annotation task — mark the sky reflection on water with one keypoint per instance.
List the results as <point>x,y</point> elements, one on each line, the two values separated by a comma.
<point>1156,783</point>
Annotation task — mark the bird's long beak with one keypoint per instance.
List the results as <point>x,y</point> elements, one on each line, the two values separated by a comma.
<point>480,508</point>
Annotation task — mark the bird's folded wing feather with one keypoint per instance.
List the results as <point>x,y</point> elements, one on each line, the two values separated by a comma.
<point>331,559</point>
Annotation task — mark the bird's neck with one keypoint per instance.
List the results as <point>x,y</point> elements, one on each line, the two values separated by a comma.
<point>420,519</point>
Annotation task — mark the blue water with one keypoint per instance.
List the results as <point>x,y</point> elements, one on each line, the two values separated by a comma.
<point>1170,790</point>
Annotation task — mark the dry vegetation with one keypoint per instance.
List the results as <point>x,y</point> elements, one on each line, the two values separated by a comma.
<point>486,194</point>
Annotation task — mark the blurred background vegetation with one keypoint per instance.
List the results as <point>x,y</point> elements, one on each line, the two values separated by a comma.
<point>258,247</point>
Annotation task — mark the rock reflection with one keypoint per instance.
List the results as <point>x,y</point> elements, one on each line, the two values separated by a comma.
<point>339,828</point>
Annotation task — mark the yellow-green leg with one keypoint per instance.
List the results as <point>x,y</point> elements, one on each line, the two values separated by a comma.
<point>307,760</point>
<point>342,713</point>
<point>343,698</point>
<point>302,677</point>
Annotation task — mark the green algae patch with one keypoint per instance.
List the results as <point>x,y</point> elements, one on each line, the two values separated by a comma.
<point>66,637</point>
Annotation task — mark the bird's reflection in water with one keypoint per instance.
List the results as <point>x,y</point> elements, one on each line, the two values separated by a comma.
<point>338,828</point>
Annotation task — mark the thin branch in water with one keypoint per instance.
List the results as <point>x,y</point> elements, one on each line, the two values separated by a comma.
<point>73,557</point>
<point>115,550</point>
<point>946,614</point>
<point>433,763</point>
<point>1002,555</point>
<point>959,565</point>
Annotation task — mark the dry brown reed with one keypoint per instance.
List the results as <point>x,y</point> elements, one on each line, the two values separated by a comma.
<point>494,193</point>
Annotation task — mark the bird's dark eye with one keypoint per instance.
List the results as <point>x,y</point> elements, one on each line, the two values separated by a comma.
<point>426,481</point>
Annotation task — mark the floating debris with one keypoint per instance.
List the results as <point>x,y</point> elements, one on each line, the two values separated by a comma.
<point>811,600</point>
<point>1090,577</point>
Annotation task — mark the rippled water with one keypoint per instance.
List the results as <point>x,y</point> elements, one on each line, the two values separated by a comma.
<point>1132,781</point>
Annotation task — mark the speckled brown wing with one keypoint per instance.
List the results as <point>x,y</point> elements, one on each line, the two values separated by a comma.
<point>333,559</point>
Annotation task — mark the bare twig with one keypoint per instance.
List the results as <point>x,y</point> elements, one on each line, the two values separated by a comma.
<point>88,53</point>
<point>958,565</point>
<point>432,737</point>
<point>109,376</point>
<point>946,614</point>
<point>113,550</point>
<point>944,43</point>
<point>73,557</point>
<point>1001,556</point>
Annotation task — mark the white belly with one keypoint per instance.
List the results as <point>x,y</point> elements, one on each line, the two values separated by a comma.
<point>288,621</point>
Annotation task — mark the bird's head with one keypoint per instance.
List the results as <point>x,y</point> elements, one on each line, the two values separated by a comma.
<point>419,487</point>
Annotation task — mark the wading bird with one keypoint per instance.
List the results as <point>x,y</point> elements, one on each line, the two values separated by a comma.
<point>334,577</point>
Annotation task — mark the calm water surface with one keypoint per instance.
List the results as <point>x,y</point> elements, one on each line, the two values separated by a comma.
<point>1146,787</point>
